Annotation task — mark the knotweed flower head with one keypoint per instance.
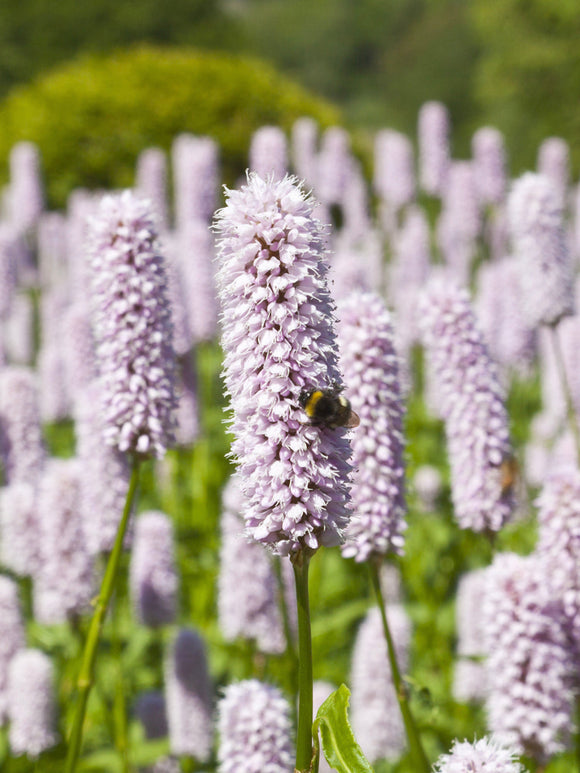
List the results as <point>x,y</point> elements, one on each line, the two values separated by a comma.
<point>279,342</point>
<point>19,330</point>
<point>64,581</point>
<point>254,728</point>
<point>188,697</point>
<point>151,182</point>
<point>471,402</point>
<point>554,163</point>
<point>21,444</point>
<point>19,527</point>
<point>152,575</point>
<point>370,366</point>
<point>434,152</point>
<point>559,540</point>
<point>539,242</point>
<point>269,152</point>
<point>459,223</point>
<point>394,174</point>
<point>12,636</point>
<point>483,756</point>
<point>195,162</point>
<point>512,341</point>
<point>132,323</point>
<point>26,189</point>
<point>376,719</point>
<point>247,588</point>
<point>489,163</point>
<point>104,475</point>
<point>8,268</point>
<point>333,166</point>
<point>409,270</point>
<point>31,703</point>
<point>52,248</point>
<point>529,664</point>
<point>195,254</point>
<point>304,148</point>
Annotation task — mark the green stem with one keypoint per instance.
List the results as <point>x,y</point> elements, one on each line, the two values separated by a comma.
<point>87,672</point>
<point>291,656</point>
<point>570,412</point>
<point>119,709</point>
<point>419,758</point>
<point>577,734</point>
<point>300,563</point>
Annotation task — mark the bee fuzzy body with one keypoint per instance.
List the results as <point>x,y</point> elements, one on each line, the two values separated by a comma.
<point>328,408</point>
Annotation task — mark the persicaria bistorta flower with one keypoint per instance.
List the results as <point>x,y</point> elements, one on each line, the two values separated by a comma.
<point>471,402</point>
<point>248,591</point>
<point>188,697</point>
<point>376,718</point>
<point>370,366</point>
<point>559,540</point>
<point>21,444</point>
<point>12,637</point>
<point>279,342</point>
<point>434,153</point>
<point>529,663</point>
<point>153,575</point>
<point>254,728</point>
<point>31,703</point>
<point>478,757</point>
<point>132,322</point>
<point>539,242</point>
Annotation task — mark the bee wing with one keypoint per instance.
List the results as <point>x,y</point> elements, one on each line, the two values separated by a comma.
<point>353,420</point>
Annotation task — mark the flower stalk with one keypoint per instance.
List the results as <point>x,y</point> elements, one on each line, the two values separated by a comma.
<point>86,675</point>
<point>301,562</point>
<point>565,385</point>
<point>420,762</point>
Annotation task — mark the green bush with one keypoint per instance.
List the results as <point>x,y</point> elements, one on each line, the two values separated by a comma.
<point>92,117</point>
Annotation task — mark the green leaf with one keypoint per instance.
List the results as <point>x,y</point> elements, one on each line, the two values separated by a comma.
<point>338,742</point>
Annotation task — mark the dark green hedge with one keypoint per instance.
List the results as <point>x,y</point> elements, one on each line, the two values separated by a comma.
<point>92,117</point>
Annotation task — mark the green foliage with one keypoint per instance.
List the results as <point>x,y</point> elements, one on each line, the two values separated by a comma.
<point>529,71</point>
<point>378,60</point>
<point>92,118</point>
<point>338,743</point>
<point>35,36</point>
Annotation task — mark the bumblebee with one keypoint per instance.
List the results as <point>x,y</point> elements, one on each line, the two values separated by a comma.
<point>509,470</point>
<point>328,408</point>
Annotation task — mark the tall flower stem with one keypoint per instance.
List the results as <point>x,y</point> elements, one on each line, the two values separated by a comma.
<point>565,384</point>
<point>119,705</point>
<point>301,563</point>
<point>288,635</point>
<point>420,762</point>
<point>86,675</point>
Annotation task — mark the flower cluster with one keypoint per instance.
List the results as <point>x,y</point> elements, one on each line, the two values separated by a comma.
<point>370,366</point>
<point>539,242</point>
<point>278,339</point>
<point>559,540</point>
<point>254,729</point>
<point>479,757</point>
<point>376,719</point>
<point>132,323</point>
<point>247,588</point>
<point>471,402</point>
<point>529,664</point>
<point>153,575</point>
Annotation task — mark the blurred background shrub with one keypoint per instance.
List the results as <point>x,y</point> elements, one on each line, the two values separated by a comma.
<point>92,117</point>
